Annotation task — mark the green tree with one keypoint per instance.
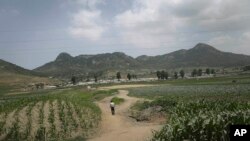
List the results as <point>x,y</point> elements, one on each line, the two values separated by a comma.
<point>194,73</point>
<point>182,73</point>
<point>212,71</point>
<point>73,80</point>
<point>162,75</point>
<point>166,75</point>
<point>129,76</point>
<point>246,68</point>
<point>95,77</point>
<point>200,72</point>
<point>118,76</point>
<point>208,71</point>
<point>158,74</point>
<point>175,75</point>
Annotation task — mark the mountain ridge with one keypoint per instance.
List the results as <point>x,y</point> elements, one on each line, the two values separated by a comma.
<point>201,55</point>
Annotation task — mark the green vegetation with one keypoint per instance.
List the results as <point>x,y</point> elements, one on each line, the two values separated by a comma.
<point>117,100</point>
<point>99,95</point>
<point>4,89</point>
<point>118,76</point>
<point>50,115</point>
<point>128,76</point>
<point>203,120</point>
<point>198,111</point>
<point>202,55</point>
<point>162,75</point>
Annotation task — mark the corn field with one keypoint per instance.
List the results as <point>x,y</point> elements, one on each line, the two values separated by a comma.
<point>203,120</point>
<point>198,112</point>
<point>61,116</point>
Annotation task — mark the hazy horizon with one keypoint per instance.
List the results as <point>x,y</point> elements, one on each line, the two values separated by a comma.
<point>34,32</point>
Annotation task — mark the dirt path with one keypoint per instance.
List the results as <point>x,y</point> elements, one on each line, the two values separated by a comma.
<point>124,86</point>
<point>121,127</point>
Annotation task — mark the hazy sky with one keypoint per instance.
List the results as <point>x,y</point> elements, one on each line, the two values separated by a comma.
<point>34,32</point>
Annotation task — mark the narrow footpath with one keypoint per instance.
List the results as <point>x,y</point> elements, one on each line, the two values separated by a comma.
<point>120,127</point>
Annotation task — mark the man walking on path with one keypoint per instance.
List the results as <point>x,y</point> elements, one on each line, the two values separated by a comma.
<point>112,106</point>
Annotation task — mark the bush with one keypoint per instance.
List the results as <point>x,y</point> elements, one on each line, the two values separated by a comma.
<point>117,100</point>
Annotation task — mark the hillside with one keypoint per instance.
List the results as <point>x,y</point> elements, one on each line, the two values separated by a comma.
<point>12,68</point>
<point>66,65</point>
<point>202,55</point>
<point>13,77</point>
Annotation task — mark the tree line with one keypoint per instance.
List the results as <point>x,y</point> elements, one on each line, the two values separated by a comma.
<point>163,75</point>
<point>97,75</point>
<point>199,72</point>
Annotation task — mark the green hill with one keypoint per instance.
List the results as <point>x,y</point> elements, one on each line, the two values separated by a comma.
<point>14,78</point>
<point>202,55</point>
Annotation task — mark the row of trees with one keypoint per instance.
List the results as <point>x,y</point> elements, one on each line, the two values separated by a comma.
<point>246,68</point>
<point>75,79</point>
<point>160,75</point>
<point>199,72</point>
<point>196,72</point>
<point>164,75</point>
<point>129,76</point>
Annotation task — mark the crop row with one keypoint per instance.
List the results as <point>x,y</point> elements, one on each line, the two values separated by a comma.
<point>191,92</point>
<point>47,120</point>
<point>203,120</point>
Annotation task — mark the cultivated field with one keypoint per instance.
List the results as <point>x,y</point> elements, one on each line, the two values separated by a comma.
<point>50,115</point>
<point>193,109</point>
<point>198,111</point>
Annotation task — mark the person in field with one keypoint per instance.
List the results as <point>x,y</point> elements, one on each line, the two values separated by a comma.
<point>112,107</point>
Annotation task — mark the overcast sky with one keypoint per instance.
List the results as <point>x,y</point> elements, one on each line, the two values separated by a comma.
<point>34,32</point>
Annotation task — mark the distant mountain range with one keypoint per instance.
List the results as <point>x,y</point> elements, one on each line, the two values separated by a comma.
<point>202,55</point>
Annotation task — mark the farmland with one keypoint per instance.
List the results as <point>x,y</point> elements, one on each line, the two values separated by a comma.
<point>50,115</point>
<point>194,109</point>
<point>198,111</point>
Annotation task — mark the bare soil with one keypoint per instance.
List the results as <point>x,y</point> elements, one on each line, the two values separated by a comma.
<point>57,122</point>
<point>124,86</point>
<point>23,120</point>
<point>46,116</point>
<point>35,119</point>
<point>120,126</point>
<point>8,124</point>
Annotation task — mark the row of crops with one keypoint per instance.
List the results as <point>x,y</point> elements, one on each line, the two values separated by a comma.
<point>55,115</point>
<point>239,92</point>
<point>198,112</point>
<point>46,120</point>
<point>203,120</point>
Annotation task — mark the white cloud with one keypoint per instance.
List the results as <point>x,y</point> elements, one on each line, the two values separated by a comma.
<point>238,44</point>
<point>86,24</point>
<point>153,23</point>
<point>144,24</point>
<point>87,21</point>
<point>166,23</point>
